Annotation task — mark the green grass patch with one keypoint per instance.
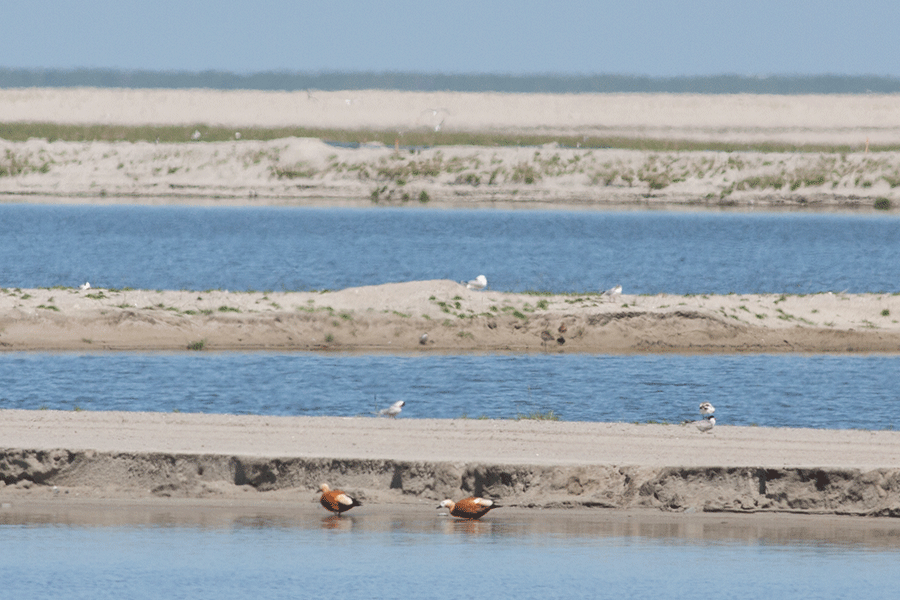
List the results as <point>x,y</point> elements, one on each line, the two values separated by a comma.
<point>538,416</point>
<point>20,132</point>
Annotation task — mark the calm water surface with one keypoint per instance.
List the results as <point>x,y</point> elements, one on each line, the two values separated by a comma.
<point>834,392</point>
<point>429,556</point>
<point>199,248</point>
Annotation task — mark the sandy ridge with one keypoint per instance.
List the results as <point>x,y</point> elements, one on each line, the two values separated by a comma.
<point>525,442</point>
<point>832,118</point>
<point>307,172</point>
<point>393,317</point>
<point>526,464</point>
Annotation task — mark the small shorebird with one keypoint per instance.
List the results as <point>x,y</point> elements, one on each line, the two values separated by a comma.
<point>546,337</point>
<point>706,408</point>
<point>393,410</point>
<point>423,339</point>
<point>85,286</point>
<point>336,500</point>
<point>469,508</point>
<point>479,283</point>
<point>433,118</point>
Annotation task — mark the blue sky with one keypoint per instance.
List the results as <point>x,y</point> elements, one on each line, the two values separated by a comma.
<point>655,38</point>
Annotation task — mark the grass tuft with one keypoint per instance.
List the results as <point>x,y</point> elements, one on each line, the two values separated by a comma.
<point>538,416</point>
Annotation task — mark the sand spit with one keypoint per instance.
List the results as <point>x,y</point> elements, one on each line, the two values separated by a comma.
<point>531,464</point>
<point>296,171</point>
<point>798,119</point>
<point>310,172</point>
<point>393,317</point>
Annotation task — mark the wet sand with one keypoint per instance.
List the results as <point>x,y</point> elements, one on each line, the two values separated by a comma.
<point>767,528</point>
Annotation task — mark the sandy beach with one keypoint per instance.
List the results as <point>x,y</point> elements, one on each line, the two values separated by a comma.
<point>305,171</point>
<point>393,318</point>
<point>526,464</point>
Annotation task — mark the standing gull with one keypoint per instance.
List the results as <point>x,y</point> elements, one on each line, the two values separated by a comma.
<point>614,292</point>
<point>479,283</point>
<point>393,410</point>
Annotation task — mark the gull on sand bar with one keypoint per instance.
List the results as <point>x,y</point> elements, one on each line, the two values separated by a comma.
<point>469,508</point>
<point>393,410</point>
<point>336,500</point>
<point>613,292</point>
<point>479,283</point>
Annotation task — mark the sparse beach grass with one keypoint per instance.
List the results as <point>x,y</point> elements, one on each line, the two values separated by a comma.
<point>21,131</point>
<point>420,166</point>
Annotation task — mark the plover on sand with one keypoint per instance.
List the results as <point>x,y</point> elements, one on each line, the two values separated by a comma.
<point>706,408</point>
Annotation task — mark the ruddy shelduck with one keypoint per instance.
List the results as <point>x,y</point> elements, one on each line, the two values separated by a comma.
<point>336,500</point>
<point>469,508</point>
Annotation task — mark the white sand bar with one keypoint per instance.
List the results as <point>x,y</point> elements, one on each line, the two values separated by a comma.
<point>833,119</point>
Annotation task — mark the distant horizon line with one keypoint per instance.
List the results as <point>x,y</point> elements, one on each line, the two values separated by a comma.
<point>335,80</point>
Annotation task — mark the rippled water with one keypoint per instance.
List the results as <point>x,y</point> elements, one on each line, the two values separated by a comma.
<point>428,556</point>
<point>199,248</point>
<point>768,390</point>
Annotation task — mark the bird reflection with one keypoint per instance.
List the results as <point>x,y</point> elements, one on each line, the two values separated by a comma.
<point>467,527</point>
<point>337,522</point>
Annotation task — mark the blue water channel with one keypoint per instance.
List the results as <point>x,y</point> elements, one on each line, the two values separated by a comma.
<point>834,392</point>
<point>431,556</point>
<point>298,249</point>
